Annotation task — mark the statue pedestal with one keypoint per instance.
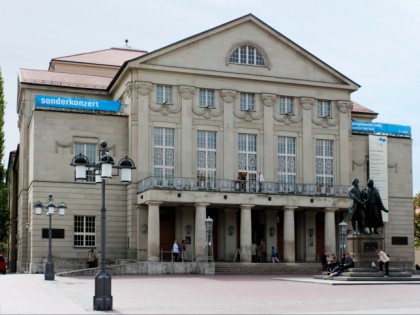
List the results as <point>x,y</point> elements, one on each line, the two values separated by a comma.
<point>363,248</point>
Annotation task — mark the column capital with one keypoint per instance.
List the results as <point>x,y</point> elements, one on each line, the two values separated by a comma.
<point>246,207</point>
<point>143,88</point>
<point>289,208</point>
<point>153,203</point>
<point>202,204</point>
<point>186,92</point>
<point>228,96</point>
<point>331,209</point>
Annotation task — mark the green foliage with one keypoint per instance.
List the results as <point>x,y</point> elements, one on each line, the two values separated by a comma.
<point>416,204</point>
<point>4,210</point>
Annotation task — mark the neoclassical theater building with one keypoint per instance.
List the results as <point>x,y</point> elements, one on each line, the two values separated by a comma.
<point>200,118</point>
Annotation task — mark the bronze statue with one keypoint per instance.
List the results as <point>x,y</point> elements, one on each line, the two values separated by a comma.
<point>374,207</point>
<point>356,209</point>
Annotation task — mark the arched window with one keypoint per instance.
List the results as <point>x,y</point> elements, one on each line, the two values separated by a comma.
<point>247,55</point>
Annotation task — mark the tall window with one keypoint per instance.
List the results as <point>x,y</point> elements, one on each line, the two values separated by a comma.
<point>164,152</point>
<point>164,94</point>
<point>324,109</point>
<point>286,162</point>
<point>247,55</point>
<point>247,101</point>
<point>324,162</point>
<point>247,154</point>
<point>286,105</point>
<point>84,231</point>
<point>206,156</point>
<point>89,150</point>
<point>206,98</point>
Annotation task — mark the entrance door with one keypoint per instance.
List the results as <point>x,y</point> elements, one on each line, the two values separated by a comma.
<point>167,231</point>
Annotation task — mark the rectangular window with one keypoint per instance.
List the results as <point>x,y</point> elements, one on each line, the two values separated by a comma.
<point>89,150</point>
<point>164,94</point>
<point>247,102</point>
<point>286,105</point>
<point>324,109</point>
<point>247,155</point>
<point>206,98</point>
<point>286,163</point>
<point>164,152</point>
<point>324,165</point>
<point>84,231</point>
<point>206,159</point>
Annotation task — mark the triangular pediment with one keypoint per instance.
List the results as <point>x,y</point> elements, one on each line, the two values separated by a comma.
<point>208,52</point>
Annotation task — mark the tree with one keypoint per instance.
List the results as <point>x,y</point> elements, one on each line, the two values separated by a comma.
<point>416,204</point>
<point>4,210</point>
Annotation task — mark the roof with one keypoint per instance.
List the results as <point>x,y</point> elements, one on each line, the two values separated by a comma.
<point>31,76</point>
<point>357,108</point>
<point>109,57</point>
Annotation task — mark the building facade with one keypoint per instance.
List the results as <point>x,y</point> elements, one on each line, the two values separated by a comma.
<point>200,118</point>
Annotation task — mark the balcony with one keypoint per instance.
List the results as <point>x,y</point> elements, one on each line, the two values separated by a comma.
<point>240,186</point>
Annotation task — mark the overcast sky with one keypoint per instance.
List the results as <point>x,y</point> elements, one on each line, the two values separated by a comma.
<point>375,43</point>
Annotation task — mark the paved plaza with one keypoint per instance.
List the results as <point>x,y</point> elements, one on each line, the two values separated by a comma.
<point>208,294</point>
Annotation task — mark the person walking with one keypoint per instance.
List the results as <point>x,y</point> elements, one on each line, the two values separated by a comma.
<point>383,259</point>
<point>262,249</point>
<point>91,258</point>
<point>274,254</point>
<point>175,251</point>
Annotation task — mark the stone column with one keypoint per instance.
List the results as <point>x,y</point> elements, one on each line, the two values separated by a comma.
<point>153,239</point>
<point>144,139</point>
<point>289,252</point>
<point>229,145</point>
<point>307,139</point>
<point>200,231</point>
<point>246,233</point>
<point>269,101</point>
<point>344,108</point>
<point>330,235</point>
<point>142,219</point>
<point>187,93</point>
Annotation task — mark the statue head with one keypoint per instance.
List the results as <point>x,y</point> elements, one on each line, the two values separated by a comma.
<point>355,181</point>
<point>370,183</point>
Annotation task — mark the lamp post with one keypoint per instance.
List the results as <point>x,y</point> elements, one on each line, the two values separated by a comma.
<point>50,209</point>
<point>343,233</point>
<point>102,300</point>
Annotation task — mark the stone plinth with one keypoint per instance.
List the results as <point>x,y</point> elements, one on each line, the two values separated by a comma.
<point>363,248</point>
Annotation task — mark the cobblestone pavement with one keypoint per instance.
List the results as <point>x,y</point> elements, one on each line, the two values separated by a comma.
<point>208,294</point>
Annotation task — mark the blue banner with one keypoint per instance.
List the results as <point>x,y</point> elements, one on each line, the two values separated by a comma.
<point>380,129</point>
<point>77,103</point>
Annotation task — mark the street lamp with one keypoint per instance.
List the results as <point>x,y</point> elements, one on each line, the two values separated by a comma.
<point>343,233</point>
<point>50,209</point>
<point>102,300</point>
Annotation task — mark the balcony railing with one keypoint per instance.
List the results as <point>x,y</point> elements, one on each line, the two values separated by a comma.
<point>240,186</point>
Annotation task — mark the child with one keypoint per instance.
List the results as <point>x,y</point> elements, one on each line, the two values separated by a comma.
<point>274,254</point>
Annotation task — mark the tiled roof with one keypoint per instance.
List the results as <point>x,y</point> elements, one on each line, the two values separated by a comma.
<point>31,76</point>
<point>361,109</point>
<point>109,57</point>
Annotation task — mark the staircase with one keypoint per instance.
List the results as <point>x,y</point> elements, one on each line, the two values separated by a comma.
<point>228,268</point>
<point>369,274</point>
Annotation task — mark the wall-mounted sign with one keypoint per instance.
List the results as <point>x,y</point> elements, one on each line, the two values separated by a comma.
<point>76,103</point>
<point>380,129</point>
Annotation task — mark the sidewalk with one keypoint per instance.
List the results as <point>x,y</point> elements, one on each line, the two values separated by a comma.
<point>199,294</point>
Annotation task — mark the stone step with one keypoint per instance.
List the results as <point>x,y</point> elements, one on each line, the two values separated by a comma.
<point>377,278</point>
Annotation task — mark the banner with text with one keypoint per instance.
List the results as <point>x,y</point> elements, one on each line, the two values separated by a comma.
<point>77,103</point>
